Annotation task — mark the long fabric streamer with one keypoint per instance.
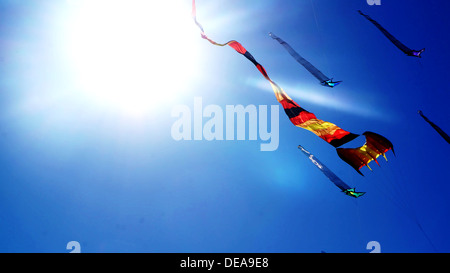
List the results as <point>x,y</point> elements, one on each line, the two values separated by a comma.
<point>333,177</point>
<point>408,51</point>
<point>324,80</point>
<point>435,127</point>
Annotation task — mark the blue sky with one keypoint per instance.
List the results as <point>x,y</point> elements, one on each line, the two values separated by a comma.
<point>87,92</point>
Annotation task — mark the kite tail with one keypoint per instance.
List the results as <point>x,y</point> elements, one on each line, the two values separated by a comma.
<point>332,176</point>
<point>313,70</point>
<point>394,40</point>
<point>435,127</point>
<point>194,16</point>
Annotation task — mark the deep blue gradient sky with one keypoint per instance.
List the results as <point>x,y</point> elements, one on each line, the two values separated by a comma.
<point>76,169</point>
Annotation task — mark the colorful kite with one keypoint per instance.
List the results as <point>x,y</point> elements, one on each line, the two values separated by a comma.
<point>439,130</point>
<point>375,146</point>
<point>333,177</point>
<point>324,80</point>
<point>329,132</point>
<point>396,42</point>
<point>306,120</point>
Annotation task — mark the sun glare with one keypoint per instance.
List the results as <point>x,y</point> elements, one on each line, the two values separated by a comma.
<point>130,54</point>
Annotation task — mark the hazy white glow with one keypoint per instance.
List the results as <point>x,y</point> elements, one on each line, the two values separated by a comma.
<point>130,54</point>
<point>330,99</point>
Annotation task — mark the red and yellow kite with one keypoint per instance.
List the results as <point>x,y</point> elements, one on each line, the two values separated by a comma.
<point>375,146</point>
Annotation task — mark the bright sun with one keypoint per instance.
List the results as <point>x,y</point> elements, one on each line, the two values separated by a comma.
<point>129,54</point>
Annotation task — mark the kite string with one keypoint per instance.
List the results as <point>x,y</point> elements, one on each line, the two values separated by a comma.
<point>397,199</point>
<point>320,35</point>
<point>402,199</point>
<point>409,196</point>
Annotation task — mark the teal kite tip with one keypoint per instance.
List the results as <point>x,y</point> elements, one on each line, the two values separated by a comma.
<point>331,83</point>
<point>353,193</point>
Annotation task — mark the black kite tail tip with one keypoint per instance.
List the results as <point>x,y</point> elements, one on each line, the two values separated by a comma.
<point>359,172</point>
<point>418,53</point>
